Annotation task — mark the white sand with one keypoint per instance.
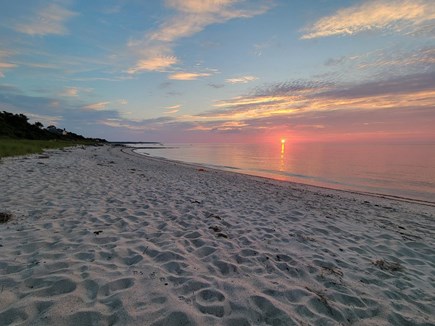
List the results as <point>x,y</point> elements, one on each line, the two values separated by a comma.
<point>105,237</point>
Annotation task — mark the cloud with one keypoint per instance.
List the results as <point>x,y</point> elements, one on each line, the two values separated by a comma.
<point>70,91</point>
<point>396,86</point>
<point>221,126</point>
<point>420,60</point>
<point>140,125</point>
<point>350,125</point>
<point>187,75</point>
<point>158,63</point>
<point>272,99</point>
<point>295,87</point>
<point>241,80</point>
<point>173,109</point>
<point>96,106</point>
<point>396,15</point>
<point>123,101</point>
<point>390,62</point>
<point>292,98</point>
<point>48,20</point>
<point>155,50</point>
<point>194,15</point>
<point>5,65</point>
<point>199,6</point>
<point>392,108</point>
<point>75,91</point>
<point>119,123</point>
<point>241,101</point>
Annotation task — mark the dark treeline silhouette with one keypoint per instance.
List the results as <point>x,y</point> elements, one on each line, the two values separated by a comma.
<point>18,126</point>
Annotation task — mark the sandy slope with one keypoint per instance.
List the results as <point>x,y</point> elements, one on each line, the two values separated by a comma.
<point>106,237</point>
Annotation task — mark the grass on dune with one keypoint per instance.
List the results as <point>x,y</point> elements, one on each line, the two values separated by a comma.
<point>14,147</point>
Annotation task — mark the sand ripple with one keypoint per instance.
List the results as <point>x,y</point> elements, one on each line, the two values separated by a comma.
<point>103,237</point>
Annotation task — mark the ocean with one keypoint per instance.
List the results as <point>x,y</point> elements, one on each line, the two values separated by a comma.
<point>406,171</point>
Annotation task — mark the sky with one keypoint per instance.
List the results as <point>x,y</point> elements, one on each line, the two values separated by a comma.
<point>239,71</point>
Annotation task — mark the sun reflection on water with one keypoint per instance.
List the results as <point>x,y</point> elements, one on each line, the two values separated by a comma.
<point>282,158</point>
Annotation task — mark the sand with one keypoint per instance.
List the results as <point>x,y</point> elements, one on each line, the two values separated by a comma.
<point>104,236</point>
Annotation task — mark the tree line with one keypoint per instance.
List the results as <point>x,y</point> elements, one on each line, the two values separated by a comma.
<point>17,126</point>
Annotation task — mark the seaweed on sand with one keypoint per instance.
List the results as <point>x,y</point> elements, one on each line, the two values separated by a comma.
<point>5,217</point>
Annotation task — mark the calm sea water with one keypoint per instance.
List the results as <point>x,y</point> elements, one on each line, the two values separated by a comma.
<point>396,170</point>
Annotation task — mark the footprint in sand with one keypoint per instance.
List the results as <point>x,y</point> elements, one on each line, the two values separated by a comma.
<point>210,302</point>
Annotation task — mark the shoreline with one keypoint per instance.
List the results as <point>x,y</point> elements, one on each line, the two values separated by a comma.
<point>101,236</point>
<point>236,170</point>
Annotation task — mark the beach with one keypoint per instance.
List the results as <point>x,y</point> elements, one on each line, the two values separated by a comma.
<point>104,236</point>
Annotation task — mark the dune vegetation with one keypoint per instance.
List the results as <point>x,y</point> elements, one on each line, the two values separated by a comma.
<point>19,137</point>
<point>14,147</point>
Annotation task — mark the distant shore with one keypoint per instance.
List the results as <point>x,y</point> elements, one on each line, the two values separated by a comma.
<point>102,235</point>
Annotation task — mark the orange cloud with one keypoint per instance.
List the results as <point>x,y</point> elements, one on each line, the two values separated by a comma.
<point>199,6</point>
<point>157,63</point>
<point>7,65</point>
<point>398,15</point>
<point>269,106</point>
<point>173,109</point>
<point>187,75</point>
<point>242,101</point>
